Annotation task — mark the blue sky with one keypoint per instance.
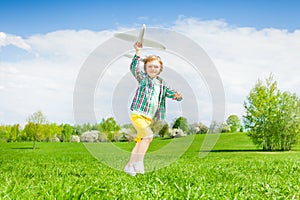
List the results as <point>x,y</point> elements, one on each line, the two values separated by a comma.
<point>43,45</point>
<point>29,17</point>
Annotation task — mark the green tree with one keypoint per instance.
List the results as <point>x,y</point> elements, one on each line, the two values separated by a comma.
<point>157,127</point>
<point>272,118</point>
<point>10,133</point>
<point>234,123</point>
<point>15,132</point>
<point>52,130</point>
<point>182,123</point>
<point>5,133</point>
<point>109,127</point>
<point>66,132</point>
<point>35,127</point>
<point>83,128</point>
<point>164,130</point>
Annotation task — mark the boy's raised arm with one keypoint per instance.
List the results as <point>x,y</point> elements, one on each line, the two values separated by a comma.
<point>134,66</point>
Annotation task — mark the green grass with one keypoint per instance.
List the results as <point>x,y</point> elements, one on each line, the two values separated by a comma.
<point>235,169</point>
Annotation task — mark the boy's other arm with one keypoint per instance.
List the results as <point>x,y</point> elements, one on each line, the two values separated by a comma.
<point>173,94</point>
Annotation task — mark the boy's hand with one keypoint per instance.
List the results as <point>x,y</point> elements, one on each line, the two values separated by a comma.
<point>138,47</point>
<point>178,95</point>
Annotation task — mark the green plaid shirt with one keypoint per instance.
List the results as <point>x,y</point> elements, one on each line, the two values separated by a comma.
<point>142,98</point>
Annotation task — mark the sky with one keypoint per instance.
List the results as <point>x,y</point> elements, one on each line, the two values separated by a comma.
<point>44,44</point>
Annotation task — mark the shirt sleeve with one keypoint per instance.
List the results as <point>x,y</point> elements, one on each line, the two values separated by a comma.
<point>135,70</point>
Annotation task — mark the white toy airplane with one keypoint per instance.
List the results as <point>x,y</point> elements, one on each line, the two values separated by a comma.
<point>145,42</point>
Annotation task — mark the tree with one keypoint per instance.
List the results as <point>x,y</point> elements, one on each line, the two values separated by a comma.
<point>272,118</point>
<point>83,128</point>
<point>182,123</point>
<point>15,132</point>
<point>35,126</point>
<point>66,132</point>
<point>10,133</point>
<point>164,130</point>
<point>160,127</point>
<point>3,133</point>
<point>109,127</point>
<point>53,131</point>
<point>234,123</point>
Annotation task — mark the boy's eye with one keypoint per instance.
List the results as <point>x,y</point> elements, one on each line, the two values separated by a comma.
<point>154,66</point>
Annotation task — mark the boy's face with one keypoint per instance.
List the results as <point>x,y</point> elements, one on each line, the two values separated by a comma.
<point>153,68</point>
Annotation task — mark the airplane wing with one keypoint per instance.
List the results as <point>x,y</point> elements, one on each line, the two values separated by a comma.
<point>131,56</point>
<point>128,56</point>
<point>133,38</point>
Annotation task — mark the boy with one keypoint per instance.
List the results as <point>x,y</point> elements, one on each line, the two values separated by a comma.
<point>148,105</point>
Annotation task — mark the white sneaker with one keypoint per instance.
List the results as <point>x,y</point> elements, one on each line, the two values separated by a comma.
<point>129,170</point>
<point>139,167</point>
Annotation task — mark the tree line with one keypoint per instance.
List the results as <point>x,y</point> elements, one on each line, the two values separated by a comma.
<point>38,128</point>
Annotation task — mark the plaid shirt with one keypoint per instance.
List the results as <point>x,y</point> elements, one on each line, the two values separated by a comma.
<point>142,98</point>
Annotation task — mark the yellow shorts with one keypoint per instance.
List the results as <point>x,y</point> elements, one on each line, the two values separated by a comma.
<point>142,125</point>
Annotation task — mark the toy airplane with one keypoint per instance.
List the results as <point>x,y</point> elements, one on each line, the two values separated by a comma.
<point>140,38</point>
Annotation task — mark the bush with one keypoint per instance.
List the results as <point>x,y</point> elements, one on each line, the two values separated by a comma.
<point>74,138</point>
<point>89,136</point>
<point>176,132</point>
<point>102,137</point>
<point>128,134</point>
<point>198,128</point>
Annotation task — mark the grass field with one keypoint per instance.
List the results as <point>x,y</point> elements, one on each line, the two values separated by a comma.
<point>234,169</point>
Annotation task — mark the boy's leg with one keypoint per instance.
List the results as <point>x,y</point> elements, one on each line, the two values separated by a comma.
<point>129,168</point>
<point>141,151</point>
<point>134,154</point>
<point>143,140</point>
<point>144,145</point>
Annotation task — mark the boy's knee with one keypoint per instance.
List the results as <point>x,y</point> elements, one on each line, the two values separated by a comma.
<point>148,139</point>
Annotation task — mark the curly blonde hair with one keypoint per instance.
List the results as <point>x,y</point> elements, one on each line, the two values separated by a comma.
<point>152,58</point>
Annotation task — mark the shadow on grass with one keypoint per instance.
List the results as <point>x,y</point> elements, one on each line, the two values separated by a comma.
<point>20,148</point>
<point>233,150</point>
<point>245,150</point>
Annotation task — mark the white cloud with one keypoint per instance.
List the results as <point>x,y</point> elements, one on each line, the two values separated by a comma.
<point>8,39</point>
<point>46,82</point>
<point>243,54</point>
<point>68,43</point>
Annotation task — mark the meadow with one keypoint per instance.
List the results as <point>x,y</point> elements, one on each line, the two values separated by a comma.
<point>234,169</point>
